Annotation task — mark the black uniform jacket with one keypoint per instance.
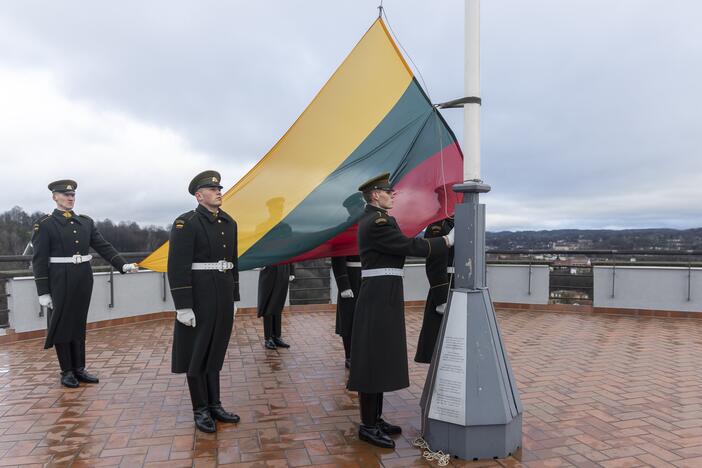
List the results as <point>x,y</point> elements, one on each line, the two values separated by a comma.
<point>346,277</point>
<point>199,236</point>
<point>70,285</point>
<point>273,281</point>
<point>378,341</point>
<point>439,284</point>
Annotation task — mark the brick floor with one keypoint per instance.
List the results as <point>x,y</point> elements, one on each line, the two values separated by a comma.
<point>597,391</point>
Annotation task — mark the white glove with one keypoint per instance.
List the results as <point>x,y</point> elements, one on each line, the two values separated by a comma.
<point>235,309</point>
<point>45,301</point>
<point>449,238</point>
<point>292,277</point>
<point>186,317</point>
<point>130,268</point>
<point>346,294</point>
<point>440,309</point>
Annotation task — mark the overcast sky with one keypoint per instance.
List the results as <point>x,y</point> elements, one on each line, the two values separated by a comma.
<point>591,108</point>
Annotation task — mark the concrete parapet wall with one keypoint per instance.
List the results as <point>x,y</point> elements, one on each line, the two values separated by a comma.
<point>649,288</point>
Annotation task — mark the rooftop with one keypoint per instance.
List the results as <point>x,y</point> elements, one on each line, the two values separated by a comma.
<point>598,390</point>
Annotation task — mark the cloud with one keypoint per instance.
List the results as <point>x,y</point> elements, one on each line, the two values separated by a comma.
<point>590,111</point>
<point>126,169</point>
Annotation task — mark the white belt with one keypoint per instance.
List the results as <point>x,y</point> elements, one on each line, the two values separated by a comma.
<point>450,269</point>
<point>382,272</point>
<point>353,264</point>
<point>221,265</point>
<point>76,259</point>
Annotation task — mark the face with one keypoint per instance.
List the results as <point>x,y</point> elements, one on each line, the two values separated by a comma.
<point>64,201</point>
<point>384,198</point>
<point>211,197</point>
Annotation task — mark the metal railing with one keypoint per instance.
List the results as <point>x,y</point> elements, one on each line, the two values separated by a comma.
<point>567,283</point>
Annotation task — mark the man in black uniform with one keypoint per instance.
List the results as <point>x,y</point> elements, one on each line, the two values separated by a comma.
<point>379,343</point>
<point>439,270</point>
<point>64,278</point>
<point>204,279</point>
<point>347,273</point>
<point>273,282</point>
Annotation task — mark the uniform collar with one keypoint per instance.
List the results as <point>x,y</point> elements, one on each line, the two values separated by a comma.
<point>64,216</point>
<point>372,208</point>
<point>208,215</point>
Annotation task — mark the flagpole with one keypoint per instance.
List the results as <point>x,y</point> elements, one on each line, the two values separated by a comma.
<point>470,403</point>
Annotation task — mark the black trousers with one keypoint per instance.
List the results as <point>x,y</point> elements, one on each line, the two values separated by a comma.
<point>204,390</point>
<point>347,347</point>
<point>271,326</point>
<point>371,405</point>
<point>71,355</point>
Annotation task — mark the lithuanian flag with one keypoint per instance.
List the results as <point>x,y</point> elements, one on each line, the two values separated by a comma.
<point>301,201</point>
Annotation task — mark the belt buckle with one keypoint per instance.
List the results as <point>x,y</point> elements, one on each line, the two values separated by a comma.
<point>77,259</point>
<point>222,265</point>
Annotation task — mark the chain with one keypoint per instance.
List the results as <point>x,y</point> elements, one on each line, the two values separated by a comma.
<point>441,458</point>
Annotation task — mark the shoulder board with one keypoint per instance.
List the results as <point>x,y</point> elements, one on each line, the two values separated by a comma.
<point>35,225</point>
<point>180,221</point>
<point>86,217</point>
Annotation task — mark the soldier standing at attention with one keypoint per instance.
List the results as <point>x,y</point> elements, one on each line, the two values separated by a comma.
<point>379,343</point>
<point>64,278</point>
<point>347,273</point>
<point>439,270</point>
<point>204,280</point>
<point>273,283</point>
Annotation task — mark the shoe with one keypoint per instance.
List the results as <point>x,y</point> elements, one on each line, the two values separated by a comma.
<point>68,379</point>
<point>220,414</point>
<point>83,376</point>
<point>204,421</point>
<point>347,363</point>
<point>374,436</point>
<point>279,342</point>
<point>388,428</point>
<point>269,344</point>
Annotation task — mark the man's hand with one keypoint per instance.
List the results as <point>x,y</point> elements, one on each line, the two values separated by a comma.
<point>45,301</point>
<point>130,268</point>
<point>186,317</point>
<point>440,309</point>
<point>291,278</point>
<point>449,238</point>
<point>346,294</point>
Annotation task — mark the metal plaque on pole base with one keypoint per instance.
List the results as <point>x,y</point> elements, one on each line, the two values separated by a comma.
<point>470,402</point>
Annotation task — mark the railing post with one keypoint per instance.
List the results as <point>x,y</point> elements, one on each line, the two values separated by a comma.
<point>689,281</point>
<point>163,290</point>
<point>614,271</point>
<point>112,288</point>
<point>529,290</point>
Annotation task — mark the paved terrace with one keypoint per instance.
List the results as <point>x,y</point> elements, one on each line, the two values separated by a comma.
<point>598,390</point>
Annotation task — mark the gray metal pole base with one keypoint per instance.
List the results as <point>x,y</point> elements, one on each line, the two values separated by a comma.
<point>470,403</point>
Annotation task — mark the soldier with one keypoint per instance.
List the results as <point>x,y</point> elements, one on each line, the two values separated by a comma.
<point>379,343</point>
<point>347,273</point>
<point>204,279</point>
<point>273,282</point>
<point>64,278</point>
<point>439,270</point>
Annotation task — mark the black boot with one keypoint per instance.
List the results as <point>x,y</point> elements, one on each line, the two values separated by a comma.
<point>388,428</point>
<point>373,435</point>
<point>68,379</point>
<point>385,426</point>
<point>269,343</point>
<point>204,421</point>
<point>279,342</point>
<point>83,376</point>
<point>220,414</point>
